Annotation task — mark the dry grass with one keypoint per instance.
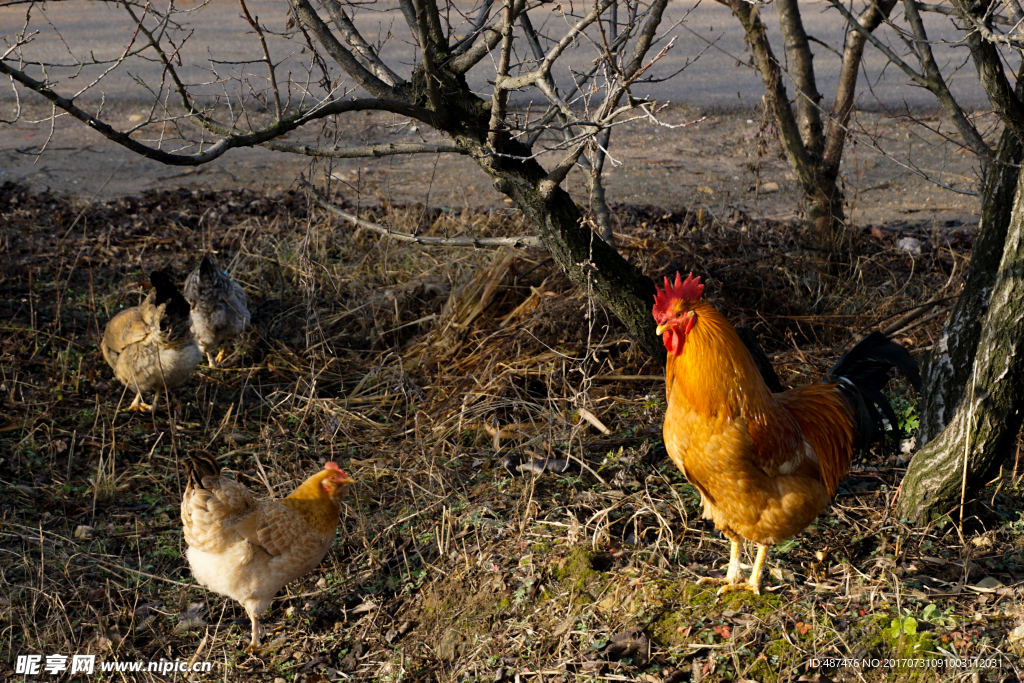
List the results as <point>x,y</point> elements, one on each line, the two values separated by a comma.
<point>430,375</point>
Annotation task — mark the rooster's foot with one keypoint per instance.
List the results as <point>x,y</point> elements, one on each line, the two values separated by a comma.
<point>715,581</point>
<point>742,586</point>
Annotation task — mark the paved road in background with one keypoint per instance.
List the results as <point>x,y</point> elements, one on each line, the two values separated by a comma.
<point>682,167</point>
<point>707,33</point>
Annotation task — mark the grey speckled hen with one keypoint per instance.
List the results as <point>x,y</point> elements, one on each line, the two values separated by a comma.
<point>219,311</point>
<point>151,346</point>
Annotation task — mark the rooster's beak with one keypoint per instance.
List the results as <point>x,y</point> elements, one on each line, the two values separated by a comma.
<point>662,329</point>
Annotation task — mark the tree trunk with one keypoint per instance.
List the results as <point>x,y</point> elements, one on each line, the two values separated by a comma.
<point>982,430</point>
<point>802,135</point>
<point>947,371</point>
<point>585,258</point>
<point>823,206</point>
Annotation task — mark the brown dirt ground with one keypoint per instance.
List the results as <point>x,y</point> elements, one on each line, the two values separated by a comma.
<point>398,362</point>
<point>726,163</point>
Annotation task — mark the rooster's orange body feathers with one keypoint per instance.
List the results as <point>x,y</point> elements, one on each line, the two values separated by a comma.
<point>765,464</point>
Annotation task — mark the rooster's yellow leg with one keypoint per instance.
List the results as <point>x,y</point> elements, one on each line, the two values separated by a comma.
<point>732,576</point>
<point>138,405</point>
<point>756,574</point>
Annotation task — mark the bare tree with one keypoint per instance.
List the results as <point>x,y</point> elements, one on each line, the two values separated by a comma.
<point>971,409</point>
<point>814,147</point>
<point>422,64</point>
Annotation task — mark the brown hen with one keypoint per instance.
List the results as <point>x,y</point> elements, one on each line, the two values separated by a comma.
<point>150,346</point>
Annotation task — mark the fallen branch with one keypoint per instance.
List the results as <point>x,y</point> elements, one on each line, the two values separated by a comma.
<point>519,242</point>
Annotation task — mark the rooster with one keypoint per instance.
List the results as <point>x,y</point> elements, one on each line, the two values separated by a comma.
<point>248,549</point>
<point>765,464</point>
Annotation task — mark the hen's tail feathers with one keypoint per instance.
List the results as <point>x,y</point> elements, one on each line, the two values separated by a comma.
<point>208,268</point>
<point>861,373</point>
<point>198,466</point>
<point>211,275</point>
<point>177,310</point>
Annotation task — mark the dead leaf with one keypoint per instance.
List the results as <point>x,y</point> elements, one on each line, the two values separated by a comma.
<point>988,584</point>
<point>632,643</point>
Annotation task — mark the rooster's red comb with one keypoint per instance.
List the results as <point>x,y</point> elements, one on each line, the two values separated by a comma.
<point>689,289</point>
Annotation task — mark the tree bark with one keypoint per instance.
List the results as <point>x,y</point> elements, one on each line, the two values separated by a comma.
<point>947,370</point>
<point>968,452</point>
<point>973,386</point>
<point>583,256</point>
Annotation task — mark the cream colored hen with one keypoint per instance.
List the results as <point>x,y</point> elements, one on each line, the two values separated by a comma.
<point>248,549</point>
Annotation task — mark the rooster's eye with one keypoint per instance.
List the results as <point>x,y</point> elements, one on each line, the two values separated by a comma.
<point>679,314</point>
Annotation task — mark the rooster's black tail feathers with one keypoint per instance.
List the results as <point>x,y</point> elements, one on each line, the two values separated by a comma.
<point>861,373</point>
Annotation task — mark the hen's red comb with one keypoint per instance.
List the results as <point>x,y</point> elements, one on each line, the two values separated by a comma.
<point>334,468</point>
<point>689,289</point>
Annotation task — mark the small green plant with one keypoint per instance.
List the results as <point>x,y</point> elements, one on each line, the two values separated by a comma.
<point>903,625</point>
<point>906,413</point>
<point>932,615</point>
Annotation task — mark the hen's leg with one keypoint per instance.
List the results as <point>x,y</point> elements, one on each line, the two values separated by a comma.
<point>254,644</point>
<point>210,361</point>
<point>138,405</point>
<point>754,583</point>
<point>220,356</point>
<point>156,399</point>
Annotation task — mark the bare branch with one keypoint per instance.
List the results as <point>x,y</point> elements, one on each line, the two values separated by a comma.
<point>478,24</point>
<point>970,134</point>
<point>771,74</point>
<point>377,151</point>
<point>835,134</point>
<point>1014,10</point>
<point>278,110</point>
<point>488,39</point>
<point>521,242</point>
<point>230,139</point>
<point>993,79</point>
<point>312,21</point>
<point>500,96</point>
<point>531,78</point>
<point>409,12</point>
<point>882,47</point>
<point>801,68</point>
<point>1014,38</point>
<point>646,39</point>
<point>427,48</point>
<point>363,50</point>
<point>435,32</point>
<point>952,12</point>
